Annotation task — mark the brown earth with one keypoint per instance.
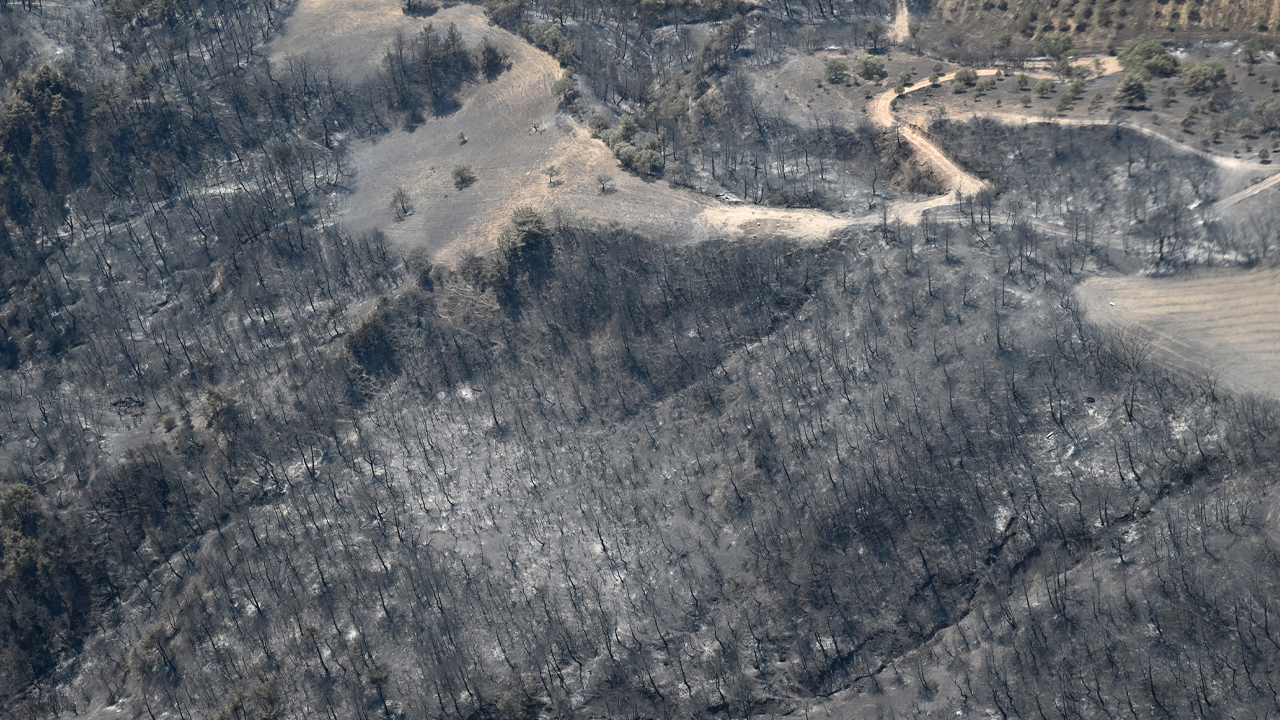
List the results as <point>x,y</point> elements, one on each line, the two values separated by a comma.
<point>513,130</point>
<point>1210,133</point>
<point>901,28</point>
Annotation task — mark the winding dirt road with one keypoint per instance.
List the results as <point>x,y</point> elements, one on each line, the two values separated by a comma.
<point>957,179</point>
<point>953,176</point>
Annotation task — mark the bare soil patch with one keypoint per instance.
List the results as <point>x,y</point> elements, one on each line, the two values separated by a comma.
<point>1223,322</point>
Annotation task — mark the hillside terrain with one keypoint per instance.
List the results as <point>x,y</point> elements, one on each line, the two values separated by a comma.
<point>695,359</point>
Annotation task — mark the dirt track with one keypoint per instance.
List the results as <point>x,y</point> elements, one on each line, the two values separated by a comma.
<point>513,130</point>
<point>901,28</point>
<point>954,177</point>
<point>1224,162</point>
<point>1224,323</point>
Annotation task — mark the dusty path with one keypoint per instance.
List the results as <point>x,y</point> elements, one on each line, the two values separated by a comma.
<point>954,177</point>
<point>1240,167</point>
<point>514,130</point>
<point>901,28</point>
<point>1223,161</point>
<point>880,110</point>
<point>1230,200</point>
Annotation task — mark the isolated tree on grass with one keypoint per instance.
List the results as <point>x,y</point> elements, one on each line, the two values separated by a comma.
<point>566,88</point>
<point>463,175</point>
<point>1148,57</point>
<point>492,60</point>
<point>1132,92</point>
<point>966,77</point>
<point>1249,51</point>
<point>872,68</point>
<point>552,172</point>
<point>605,181</point>
<point>875,33</point>
<point>1044,87</point>
<point>400,204</point>
<point>836,71</point>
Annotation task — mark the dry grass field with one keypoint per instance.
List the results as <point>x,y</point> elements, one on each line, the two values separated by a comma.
<point>1224,322</point>
<point>350,34</point>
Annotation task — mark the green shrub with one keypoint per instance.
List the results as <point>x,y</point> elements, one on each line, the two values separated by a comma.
<point>967,77</point>
<point>872,68</point>
<point>836,71</point>
<point>463,175</point>
<point>1148,56</point>
<point>1204,77</point>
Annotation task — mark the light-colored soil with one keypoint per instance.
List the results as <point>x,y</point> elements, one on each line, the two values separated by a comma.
<point>901,28</point>
<point>1252,191</point>
<point>514,129</point>
<point>954,177</point>
<point>1226,322</point>
<point>1210,133</point>
<point>351,35</point>
<point>1241,178</point>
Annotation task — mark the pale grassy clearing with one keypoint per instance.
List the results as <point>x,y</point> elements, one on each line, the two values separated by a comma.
<point>513,130</point>
<point>1223,322</point>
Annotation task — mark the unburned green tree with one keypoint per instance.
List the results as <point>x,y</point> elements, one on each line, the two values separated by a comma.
<point>1132,92</point>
